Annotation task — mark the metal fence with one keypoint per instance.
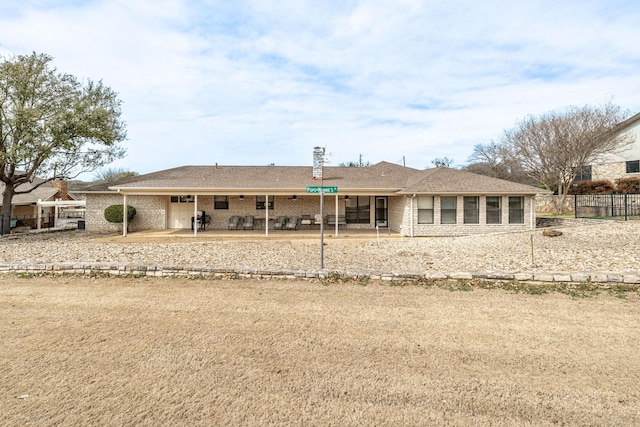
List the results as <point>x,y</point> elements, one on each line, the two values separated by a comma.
<point>610,206</point>
<point>48,220</point>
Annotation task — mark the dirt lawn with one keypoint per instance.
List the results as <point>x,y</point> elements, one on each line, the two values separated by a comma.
<point>87,351</point>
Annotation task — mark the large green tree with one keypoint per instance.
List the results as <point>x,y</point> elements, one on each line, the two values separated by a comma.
<point>52,126</point>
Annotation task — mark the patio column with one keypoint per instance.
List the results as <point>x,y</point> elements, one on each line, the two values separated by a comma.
<point>337,222</point>
<point>266,215</point>
<point>39,212</point>
<point>195,215</point>
<point>532,210</point>
<point>124,215</point>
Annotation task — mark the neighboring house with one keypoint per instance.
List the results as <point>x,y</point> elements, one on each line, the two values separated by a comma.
<point>433,202</point>
<point>613,166</point>
<point>25,206</point>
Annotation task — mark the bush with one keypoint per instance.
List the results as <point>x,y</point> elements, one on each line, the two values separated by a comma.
<point>593,187</point>
<point>628,185</point>
<point>114,213</point>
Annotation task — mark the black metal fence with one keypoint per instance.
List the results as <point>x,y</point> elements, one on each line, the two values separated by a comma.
<point>610,206</point>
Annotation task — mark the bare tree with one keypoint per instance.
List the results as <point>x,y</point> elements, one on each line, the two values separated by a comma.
<point>494,158</point>
<point>497,161</point>
<point>555,146</point>
<point>52,126</point>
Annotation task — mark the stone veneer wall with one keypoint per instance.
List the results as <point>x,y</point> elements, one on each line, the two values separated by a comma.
<point>150,212</point>
<point>545,204</point>
<point>610,171</point>
<point>461,229</point>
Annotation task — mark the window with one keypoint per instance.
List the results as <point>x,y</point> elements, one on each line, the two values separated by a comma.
<point>448,206</point>
<point>633,166</point>
<point>494,210</point>
<point>260,202</point>
<point>220,202</point>
<point>182,199</point>
<point>584,174</point>
<point>425,209</point>
<point>471,209</point>
<point>357,210</point>
<point>516,210</point>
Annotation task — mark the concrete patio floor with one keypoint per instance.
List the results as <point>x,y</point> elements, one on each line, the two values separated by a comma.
<point>260,234</point>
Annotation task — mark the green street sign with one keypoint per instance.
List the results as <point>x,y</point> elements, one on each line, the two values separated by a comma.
<point>318,189</point>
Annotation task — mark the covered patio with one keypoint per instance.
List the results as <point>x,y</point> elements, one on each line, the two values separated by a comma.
<point>250,212</point>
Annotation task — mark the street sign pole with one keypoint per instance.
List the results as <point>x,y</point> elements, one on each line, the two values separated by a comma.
<point>320,189</point>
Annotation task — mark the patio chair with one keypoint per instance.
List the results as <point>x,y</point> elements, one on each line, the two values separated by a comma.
<point>280,223</point>
<point>234,222</point>
<point>292,224</point>
<point>248,223</point>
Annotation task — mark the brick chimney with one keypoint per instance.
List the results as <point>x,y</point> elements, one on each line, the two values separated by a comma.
<point>63,189</point>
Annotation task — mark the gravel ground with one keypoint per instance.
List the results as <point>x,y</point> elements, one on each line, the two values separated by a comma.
<point>592,247</point>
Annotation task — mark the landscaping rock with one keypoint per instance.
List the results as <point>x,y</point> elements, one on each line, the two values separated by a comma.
<point>552,233</point>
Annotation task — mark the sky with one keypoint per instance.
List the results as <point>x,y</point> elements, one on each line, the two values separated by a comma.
<point>263,82</point>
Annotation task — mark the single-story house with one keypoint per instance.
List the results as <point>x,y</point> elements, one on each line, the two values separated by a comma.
<point>433,202</point>
<point>623,164</point>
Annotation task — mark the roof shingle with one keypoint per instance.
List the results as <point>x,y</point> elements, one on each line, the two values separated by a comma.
<point>382,176</point>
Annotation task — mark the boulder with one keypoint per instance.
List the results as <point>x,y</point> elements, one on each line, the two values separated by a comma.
<point>551,233</point>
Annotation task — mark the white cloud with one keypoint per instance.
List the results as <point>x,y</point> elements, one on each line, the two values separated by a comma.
<point>255,82</point>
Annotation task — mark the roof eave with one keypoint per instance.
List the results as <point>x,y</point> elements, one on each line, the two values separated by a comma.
<point>476,193</point>
<point>235,190</point>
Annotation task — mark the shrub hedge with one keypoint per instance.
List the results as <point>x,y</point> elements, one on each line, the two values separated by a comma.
<point>628,185</point>
<point>113,213</point>
<point>623,185</point>
<point>593,187</point>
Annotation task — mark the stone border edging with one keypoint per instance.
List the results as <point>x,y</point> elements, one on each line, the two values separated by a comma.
<point>188,270</point>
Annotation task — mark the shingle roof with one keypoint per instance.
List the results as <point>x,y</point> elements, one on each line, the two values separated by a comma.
<point>383,177</point>
<point>444,180</point>
<point>44,192</point>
